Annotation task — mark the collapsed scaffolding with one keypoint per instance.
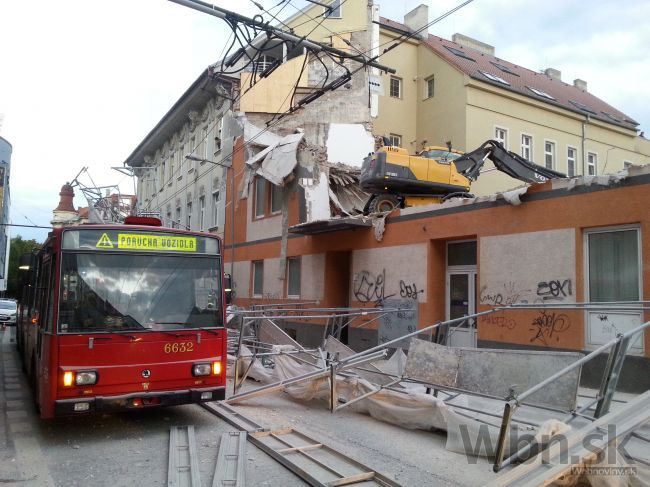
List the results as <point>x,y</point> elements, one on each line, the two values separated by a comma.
<point>471,393</point>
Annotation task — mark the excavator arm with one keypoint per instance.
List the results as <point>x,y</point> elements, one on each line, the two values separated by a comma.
<point>470,164</point>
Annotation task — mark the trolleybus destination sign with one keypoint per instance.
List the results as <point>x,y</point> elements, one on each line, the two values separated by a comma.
<point>138,241</point>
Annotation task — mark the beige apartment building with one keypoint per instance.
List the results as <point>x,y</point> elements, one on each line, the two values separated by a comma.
<point>461,92</point>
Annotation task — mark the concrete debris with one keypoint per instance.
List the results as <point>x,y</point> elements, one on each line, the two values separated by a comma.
<point>512,196</point>
<point>379,226</point>
<point>345,192</point>
<point>600,180</point>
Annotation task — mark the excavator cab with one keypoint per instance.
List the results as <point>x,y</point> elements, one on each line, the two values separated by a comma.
<point>396,178</point>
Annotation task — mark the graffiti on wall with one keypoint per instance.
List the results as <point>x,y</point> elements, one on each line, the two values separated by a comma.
<point>409,291</point>
<point>372,288</point>
<point>548,327</point>
<point>509,293</point>
<point>555,290</point>
<point>505,295</point>
<point>499,321</point>
<point>368,287</point>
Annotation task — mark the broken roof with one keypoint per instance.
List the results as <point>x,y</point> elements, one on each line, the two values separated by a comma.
<point>508,76</point>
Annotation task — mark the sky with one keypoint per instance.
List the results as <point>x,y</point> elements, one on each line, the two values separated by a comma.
<point>83,81</point>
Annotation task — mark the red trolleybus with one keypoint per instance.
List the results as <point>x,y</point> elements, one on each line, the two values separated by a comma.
<point>124,316</point>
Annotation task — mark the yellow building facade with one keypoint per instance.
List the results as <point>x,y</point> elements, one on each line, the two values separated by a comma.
<point>460,92</point>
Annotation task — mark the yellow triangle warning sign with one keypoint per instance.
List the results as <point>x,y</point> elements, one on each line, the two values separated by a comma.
<point>105,242</point>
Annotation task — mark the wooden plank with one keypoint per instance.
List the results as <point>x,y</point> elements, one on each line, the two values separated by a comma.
<point>301,448</point>
<point>352,479</point>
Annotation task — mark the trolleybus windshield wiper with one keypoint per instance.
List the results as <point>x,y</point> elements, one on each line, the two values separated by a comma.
<point>170,332</point>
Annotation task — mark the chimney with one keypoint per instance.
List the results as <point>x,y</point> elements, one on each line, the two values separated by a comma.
<point>417,18</point>
<point>580,84</point>
<point>473,44</point>
<point>553,73</point>
<point>65,202</point>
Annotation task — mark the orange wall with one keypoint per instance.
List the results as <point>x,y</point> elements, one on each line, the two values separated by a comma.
<point>556,209</point>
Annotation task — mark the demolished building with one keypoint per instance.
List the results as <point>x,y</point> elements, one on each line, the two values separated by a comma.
<point>288,204</point>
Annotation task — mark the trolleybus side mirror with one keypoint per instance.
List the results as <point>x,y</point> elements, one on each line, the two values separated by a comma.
<point>227,282</point>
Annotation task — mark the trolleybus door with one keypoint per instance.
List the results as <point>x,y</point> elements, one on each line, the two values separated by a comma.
<point>45,375</point>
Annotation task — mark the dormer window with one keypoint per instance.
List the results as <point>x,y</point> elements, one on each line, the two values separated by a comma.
<point>541,93</point>
<point>494,77</point>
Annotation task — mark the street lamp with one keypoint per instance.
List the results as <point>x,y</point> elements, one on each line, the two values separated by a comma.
<point>192,157</point>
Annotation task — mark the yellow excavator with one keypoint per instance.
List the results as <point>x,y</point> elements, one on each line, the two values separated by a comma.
<point>397,179</point>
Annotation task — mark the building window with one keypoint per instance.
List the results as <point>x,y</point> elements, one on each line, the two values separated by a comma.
<point>614,265</point>
<point>260,197</point>
<point>268,198</point>
<point>189,162</point>
<point>264,62</point>
<point>177,224</point>
<point>201,212</point>
<point>592,163</point>
<point>395,87</point>
<point>203,152</point>
<point>258,278</point>
<point>334,12</point>
<point>188,216</point>
<point>526,147</point>
<point>501,135</point>
<point>162,174</point>
<point>170,222</point>
<point>395,140</point>
<point>429,86</point>
<point>571,157</point>
<point>216,146</point>
<point>549,154</point>
<point>541,93</point>
<point>276,199</point>
<point>215,209</point>
<point>494,77</point>
<point>172,159</point>
<point>293,277</point>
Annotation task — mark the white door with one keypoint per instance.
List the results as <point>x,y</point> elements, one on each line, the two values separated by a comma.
<point>461,301</point>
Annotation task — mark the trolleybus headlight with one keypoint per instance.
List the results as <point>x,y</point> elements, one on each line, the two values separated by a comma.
<point>201,369</point>
<point>86,378</point>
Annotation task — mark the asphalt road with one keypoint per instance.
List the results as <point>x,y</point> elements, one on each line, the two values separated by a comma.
<point>122,449</point>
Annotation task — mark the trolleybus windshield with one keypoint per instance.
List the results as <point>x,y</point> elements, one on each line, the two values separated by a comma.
<point>108,292</point>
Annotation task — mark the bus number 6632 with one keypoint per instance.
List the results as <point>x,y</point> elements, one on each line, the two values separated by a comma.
<point>178,347</point>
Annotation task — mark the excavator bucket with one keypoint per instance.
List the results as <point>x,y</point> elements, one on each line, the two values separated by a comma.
<point>505,161</point>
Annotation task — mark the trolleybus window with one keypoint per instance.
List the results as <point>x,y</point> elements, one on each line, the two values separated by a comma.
<point>115,292</point>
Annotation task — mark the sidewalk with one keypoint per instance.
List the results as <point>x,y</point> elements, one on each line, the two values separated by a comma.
<point>21,458</point>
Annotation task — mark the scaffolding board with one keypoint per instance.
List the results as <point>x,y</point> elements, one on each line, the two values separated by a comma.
<point>314,462</point>
<point>230,469</point>
<point>183,467</point>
